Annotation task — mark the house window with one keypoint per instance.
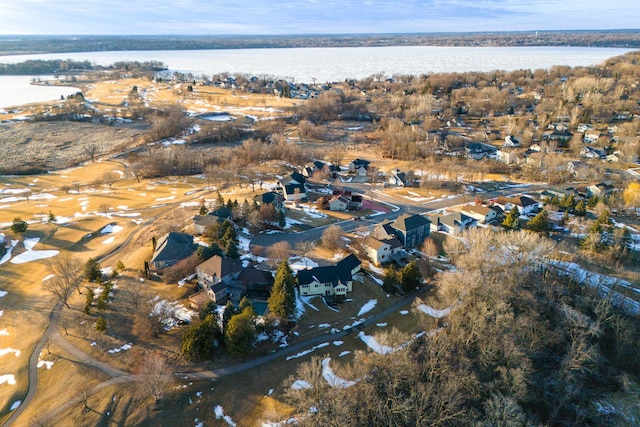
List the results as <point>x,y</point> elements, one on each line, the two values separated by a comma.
<point>305,286</point>
<point>327,292</point>
<point>382,257</point>
<point>316,285</point>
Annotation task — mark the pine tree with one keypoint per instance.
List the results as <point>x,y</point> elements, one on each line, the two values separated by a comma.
<point>512,221</point>
<point>241,333</point>
<point>410,277</point>
<point>229,311</point>
<point>581,208</point>
<point>282,301</point>
<point>92,270</point>
<point>203,209</point>
<point>231,251</point>
<point>202,339</point>
<point>19,226</point>
<point>52,218</point>
<point>540,222</point>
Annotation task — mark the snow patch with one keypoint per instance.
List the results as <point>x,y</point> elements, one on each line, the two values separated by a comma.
<point>373,344</point>
<point>8,378</point>
<point>300,385</point>
<point>433,312</point>
<point>307,351</point>
<point>220,414</point>
<point>331,378</point>
<point>367,307</point>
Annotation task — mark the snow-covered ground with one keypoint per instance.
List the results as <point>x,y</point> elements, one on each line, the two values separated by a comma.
<point>31,255</point>
<point>307,351</point>
<point>111,229</point>
<point>433,312</point>
<point>373,344</point>
<point>331,378</point>
<point>8,378</point>
<point>298,385</point>
<point>367,307</point>
<point>220,414</point>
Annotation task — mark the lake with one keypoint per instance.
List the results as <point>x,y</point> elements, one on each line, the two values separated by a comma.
<point>321,64</point>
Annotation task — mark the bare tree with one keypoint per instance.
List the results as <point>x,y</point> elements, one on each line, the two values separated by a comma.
<point>332,237</point>
<point>66,275</point>
<point>155,376</point>
<point>279,251</point>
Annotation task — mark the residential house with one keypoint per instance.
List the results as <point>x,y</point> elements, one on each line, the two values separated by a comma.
<point>270,198</point>
<point>600,189</point>
<point>338,203</point>
<point>359,167</point>
<point>319,169</point>
<point>410,230</point>
<point>561,136</point>
<point>591,153</point>
<point>526,205</point>
<point>255,283</point>
<point>453,223</point>
<point>171,248</point>
<point>507,156</point>
<point>591,136</point>
<point>478,150</point>
<point>216,275</point>
<point>333,281</point>
<point>397,178</point>
<point>583,127</point>
<point>202,222</point>
<point>293,187</point>
<point>481,213</point>
<point>382,251</point>
<point>511,141</point>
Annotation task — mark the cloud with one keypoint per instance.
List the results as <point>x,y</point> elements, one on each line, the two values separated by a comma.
<point>309,16</point>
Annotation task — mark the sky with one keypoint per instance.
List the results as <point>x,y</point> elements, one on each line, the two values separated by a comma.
<point>216,17</point>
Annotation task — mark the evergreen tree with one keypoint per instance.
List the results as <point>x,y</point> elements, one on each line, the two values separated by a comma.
<point>19,226</point>
<point>230,234</point>
<point>410,277</point>
<point>203,209</point>
<point>120,265</point>
<point>241,333</point>
<point>540,222</point>
<point>229,311</point>
<point>231,251</point>
<point>512,221</point>
<point>390,280</point>
<point>581,208</point>
<point>208,309</point>
<point>202,339</point>
<point>282,221</point>
<point>219,201</point>
<point>52,218</point>
<point>101,324</point>
<point>592,202</point>
<point>89,301</point>
<point>92,270</point>
<point>282,301</point>
<point>244,303</point>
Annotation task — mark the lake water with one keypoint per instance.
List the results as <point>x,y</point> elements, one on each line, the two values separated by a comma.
<point>322,64</point>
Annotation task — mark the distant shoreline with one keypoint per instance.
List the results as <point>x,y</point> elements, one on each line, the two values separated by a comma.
<point>29,44</point>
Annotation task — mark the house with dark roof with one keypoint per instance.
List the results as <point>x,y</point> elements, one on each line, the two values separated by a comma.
<point>334,281</point>
<point>270,198</point>
<point>319,169</point>
<point>171,248</point>
<point>600,189</point>
<point>216,274</point>
<point>254,282</point>
<point>382,251</point>
<point>526,205</point>
<point>397,178</point>
<point>293,186</point>
<point>359,167</point>
<point>411,230</point>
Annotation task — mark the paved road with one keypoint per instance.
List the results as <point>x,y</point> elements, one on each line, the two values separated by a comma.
<point>401,206</point>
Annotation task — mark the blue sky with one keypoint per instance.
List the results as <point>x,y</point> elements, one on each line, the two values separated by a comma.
<point>310,16</point>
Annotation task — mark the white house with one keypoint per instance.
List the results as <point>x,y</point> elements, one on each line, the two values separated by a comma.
<point>481,213</point>
<point>381,251</point>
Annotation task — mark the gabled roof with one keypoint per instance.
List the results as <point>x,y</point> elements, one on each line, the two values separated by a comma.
<point>479,209</point>
<point>349,262</point>
<point>293,178</point>
<point>291,188</point>
<point>173,246</point>
<point>205,220</point>
<point>252,275</point>
<point>407,222</point>
<point>455,219</point>
<point>376,244</point>
<point>268,198</point>
<point>335,274</point>
<point>222,212</point>
<point>220,267</point>
<point>360,163</point>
